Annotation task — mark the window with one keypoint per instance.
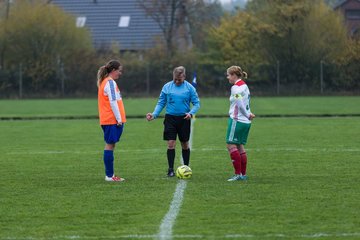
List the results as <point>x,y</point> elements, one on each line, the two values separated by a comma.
<point>80,22</point>
<point>353,14</point>
<point>355,33</point>
<point>124,21</point>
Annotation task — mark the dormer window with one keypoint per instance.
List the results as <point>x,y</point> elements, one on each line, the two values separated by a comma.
<point>124,21</point>
<point>352,14</point>
<point>355,32</point>
<point>80,21</point>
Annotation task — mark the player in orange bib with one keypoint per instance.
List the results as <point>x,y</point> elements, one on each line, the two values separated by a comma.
<point>111,113</point>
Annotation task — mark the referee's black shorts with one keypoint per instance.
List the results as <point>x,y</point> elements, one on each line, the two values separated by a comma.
<point>176,125</point>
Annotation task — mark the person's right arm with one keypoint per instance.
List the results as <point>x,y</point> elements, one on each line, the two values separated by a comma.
<point>159,106</point>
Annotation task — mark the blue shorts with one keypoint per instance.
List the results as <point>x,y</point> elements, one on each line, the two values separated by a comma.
<point>112,133</point>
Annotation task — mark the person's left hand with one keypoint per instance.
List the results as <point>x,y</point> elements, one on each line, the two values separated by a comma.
<point>188,116</point>
<point>252,116</point>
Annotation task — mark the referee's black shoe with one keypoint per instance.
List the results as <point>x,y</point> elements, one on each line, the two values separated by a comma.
<point>171,172</point>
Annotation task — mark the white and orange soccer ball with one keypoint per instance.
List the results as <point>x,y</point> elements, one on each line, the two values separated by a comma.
<point>184,172</point>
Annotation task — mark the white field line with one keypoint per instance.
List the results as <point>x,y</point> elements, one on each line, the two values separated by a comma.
<point>209,149</point>
<point>165,230</point>
<point>197,236</point>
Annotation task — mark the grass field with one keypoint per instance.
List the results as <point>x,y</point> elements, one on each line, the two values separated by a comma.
<point>209,106</point>
<point>303,175</point>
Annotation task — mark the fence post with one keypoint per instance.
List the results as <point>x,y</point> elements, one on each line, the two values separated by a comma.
<point>20,81</point>
<point>62,78</point>
<point>147,78</point>
<point>277,77</point>
<point>321,77</point>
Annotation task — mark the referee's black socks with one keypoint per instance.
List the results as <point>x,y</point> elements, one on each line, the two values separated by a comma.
<point>186,156</point>
<point>171,157</point>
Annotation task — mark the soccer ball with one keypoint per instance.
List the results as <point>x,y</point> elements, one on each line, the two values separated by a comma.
<point>183,172</point>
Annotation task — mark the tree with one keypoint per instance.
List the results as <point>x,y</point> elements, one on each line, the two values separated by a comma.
<point>236,41</point>
<point>43,38</point>
<point>164,13</point>
<point>182,21</point>
<point>331,3</point>
<point>297,33</point>
<point>347,75</point>
<point>4,14</point>
<point>324,36</point>
<point>203,16</point>
<point>306,33</point>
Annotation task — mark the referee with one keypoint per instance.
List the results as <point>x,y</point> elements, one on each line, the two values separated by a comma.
<point>177,95</point>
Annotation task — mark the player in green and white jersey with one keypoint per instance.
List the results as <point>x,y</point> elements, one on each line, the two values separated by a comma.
<point>239,122</point>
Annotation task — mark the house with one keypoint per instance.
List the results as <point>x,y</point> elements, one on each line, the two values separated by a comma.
<point>351,11</point>
<point>122,22</point>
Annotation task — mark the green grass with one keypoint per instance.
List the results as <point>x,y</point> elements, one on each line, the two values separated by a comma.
<point>209,106</point>
<point>303,180</point>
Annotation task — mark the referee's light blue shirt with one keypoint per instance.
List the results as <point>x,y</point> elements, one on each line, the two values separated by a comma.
<point>177,99</point>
